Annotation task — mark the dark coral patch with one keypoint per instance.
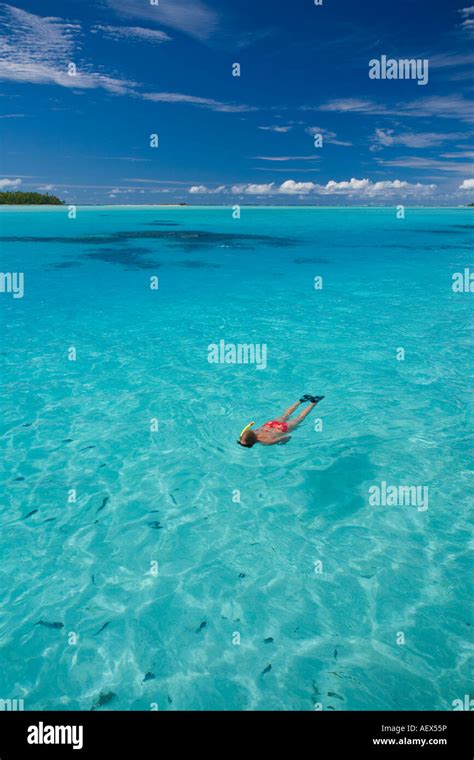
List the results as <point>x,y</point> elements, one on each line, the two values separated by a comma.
<point>303,260</point>
<point>131,258</point>
<point>196,265</point>
<point>183,238</point>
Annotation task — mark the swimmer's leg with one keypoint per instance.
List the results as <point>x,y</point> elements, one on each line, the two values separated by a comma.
<point>288,412</point>
<point>292,424</point>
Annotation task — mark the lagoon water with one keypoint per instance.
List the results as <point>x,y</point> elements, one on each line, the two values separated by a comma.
<point>184,565</point>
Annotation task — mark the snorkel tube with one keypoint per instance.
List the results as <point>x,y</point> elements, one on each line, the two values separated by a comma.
<point>247,427</point>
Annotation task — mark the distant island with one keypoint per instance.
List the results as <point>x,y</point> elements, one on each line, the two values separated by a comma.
<point>17,198</point>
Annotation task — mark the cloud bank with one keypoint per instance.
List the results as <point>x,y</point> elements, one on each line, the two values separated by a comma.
<point>9,183</point>
<point>353,187</point>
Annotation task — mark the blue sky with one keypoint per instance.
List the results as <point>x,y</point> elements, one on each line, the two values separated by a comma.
<point>143,69</point>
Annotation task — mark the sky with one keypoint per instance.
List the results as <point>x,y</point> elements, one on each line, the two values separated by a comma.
<point>86,84</point>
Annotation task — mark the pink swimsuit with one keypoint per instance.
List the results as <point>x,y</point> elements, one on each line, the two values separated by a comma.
<point>277,425</point>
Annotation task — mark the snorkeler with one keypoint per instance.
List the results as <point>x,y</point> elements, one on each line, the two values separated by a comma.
<point>275,430</point>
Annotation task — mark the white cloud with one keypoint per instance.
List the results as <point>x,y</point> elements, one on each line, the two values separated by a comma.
<point>132,33</point>
<point>467,184</point>
<point>366,187</point>
<point>395,186</point>
<point>252,189</point>
<point>327,135</point>
<point>155,181</point>
<point>459,154</point>
<point>134,159</point>
<point>39,49</point>
<point>447,60</point>
<point>287,158</point>
<point>455,67</point>
<point>9,183</point>
<point>291,187</point>
<point>277,129</point>
<point>192,17</point>
<point>179,97</point>
<point>42,74</point>
<point>445,106</point>
<point>36,38</point>
<point>420,162</point>
<point>286,169</point>
<point>388,137</point>
<point>203,190</point>
<point>344,187</point>
<point>384,138</point>
<point>350,105</point>
<point>468,24</point>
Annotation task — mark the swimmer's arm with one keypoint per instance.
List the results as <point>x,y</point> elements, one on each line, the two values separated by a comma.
<point>283,439</point>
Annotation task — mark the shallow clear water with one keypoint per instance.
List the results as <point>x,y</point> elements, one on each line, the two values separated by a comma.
<point>169,497</point>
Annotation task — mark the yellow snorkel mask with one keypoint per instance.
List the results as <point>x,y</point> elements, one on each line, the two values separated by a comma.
<point>247,427</point>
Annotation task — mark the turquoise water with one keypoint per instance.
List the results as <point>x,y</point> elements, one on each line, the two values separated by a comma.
<point>136,635</point>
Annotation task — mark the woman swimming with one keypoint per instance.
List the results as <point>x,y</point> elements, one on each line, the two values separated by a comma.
<point>275,430</point>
